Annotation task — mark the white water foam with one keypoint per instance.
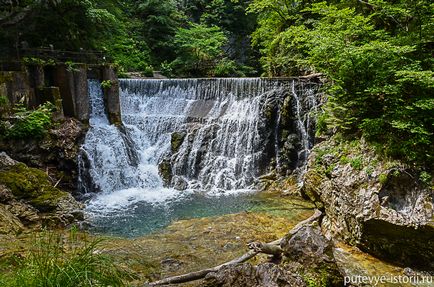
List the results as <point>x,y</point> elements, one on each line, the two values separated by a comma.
<point>224,150</point>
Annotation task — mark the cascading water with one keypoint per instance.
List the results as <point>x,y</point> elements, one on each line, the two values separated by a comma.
<point>201,136</point>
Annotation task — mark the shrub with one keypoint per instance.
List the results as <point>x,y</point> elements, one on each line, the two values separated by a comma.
<point>106,84</point>
<point>147,71</point>
<point>382,178</point>
<point>166,69</point>
<point>425,177</point>
<point>227,68</point>
<point>30,124</point>
<point>356,163</point>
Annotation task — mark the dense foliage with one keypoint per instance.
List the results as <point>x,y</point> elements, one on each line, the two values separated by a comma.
<point>377,56</point>
<point>137,35</point>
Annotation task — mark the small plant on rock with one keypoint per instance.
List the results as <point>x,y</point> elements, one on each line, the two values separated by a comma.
<point>30,124</point>
<point>106,84</point>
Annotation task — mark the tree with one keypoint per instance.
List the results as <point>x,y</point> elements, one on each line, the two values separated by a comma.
<point>198,47</point>
<point>376,55</point>
<point>159,23</point>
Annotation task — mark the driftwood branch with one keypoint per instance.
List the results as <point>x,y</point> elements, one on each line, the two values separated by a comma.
<point>272,248</point>
<point>266,248</point>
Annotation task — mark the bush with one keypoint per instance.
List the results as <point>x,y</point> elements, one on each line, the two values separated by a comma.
<point>147,71</point>
<point>30,124</point>
<point>227,68</point>
<point>166,69</point>
<point>68,262</point>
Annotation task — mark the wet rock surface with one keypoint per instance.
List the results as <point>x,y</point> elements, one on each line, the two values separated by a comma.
<point>309,253</point>
<point>375,204</point>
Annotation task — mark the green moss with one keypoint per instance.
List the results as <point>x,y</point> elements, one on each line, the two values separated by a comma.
<point>32,185</point>
<point>329,169</point>
<point>344,159</point>
<point>356,163</point>
<point>325,275</point>
<point>382,178</point>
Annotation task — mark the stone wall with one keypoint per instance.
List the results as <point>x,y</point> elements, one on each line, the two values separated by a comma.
<point>63,85</point>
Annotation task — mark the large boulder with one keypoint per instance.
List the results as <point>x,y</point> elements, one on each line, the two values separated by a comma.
<point>263,275</point>
<point>29,198</point>
<point>310,254</point>
<point>307,260</point>
<point>373,203</point>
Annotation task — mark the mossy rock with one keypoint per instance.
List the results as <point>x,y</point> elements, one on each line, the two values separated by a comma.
<point>9,223</point>
<point>165,169</point>
<point>176,141</point>
<point>31,185</point>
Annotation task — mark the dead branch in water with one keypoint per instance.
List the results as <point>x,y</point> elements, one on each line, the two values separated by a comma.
<point>272,248</point>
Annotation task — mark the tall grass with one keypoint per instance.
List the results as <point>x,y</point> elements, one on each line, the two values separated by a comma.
<point>58,261</point>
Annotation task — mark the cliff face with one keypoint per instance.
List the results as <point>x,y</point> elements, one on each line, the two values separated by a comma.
<point>374,203</point>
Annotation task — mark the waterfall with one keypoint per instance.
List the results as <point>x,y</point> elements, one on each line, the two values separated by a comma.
<point>205,135</point>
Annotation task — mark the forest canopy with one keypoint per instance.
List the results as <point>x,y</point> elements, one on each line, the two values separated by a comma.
<point>375,54</point>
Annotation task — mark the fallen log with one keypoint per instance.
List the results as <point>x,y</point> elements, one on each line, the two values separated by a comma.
<point>256,248</point>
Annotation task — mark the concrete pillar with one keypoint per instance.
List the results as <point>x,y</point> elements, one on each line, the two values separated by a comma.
<point>81,93</point>
<point>111,95</point>
<point>64,79</point>
<point>15,86</point>
<point>37,82</point>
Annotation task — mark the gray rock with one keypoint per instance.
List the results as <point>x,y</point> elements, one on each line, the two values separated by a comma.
<point>308,252</point>
<point>308,246</point>
<point>9,223</point>
<point>263,275</point>
<point>5,194</point>
<point>171,265</point>
<point>385,211</point>
<point>5,160</point>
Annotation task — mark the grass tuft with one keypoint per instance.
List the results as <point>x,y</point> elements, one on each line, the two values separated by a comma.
<point>59,261</point>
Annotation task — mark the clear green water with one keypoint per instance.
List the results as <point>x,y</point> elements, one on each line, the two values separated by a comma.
<point>142,217</point>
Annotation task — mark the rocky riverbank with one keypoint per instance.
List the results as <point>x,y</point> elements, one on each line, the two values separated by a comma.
<point>38,178</point>
<point>56,153</point>
<point>382,206</point>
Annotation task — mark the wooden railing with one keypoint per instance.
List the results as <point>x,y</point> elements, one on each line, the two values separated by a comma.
<point>81,56</point>
<point>13,62</point>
